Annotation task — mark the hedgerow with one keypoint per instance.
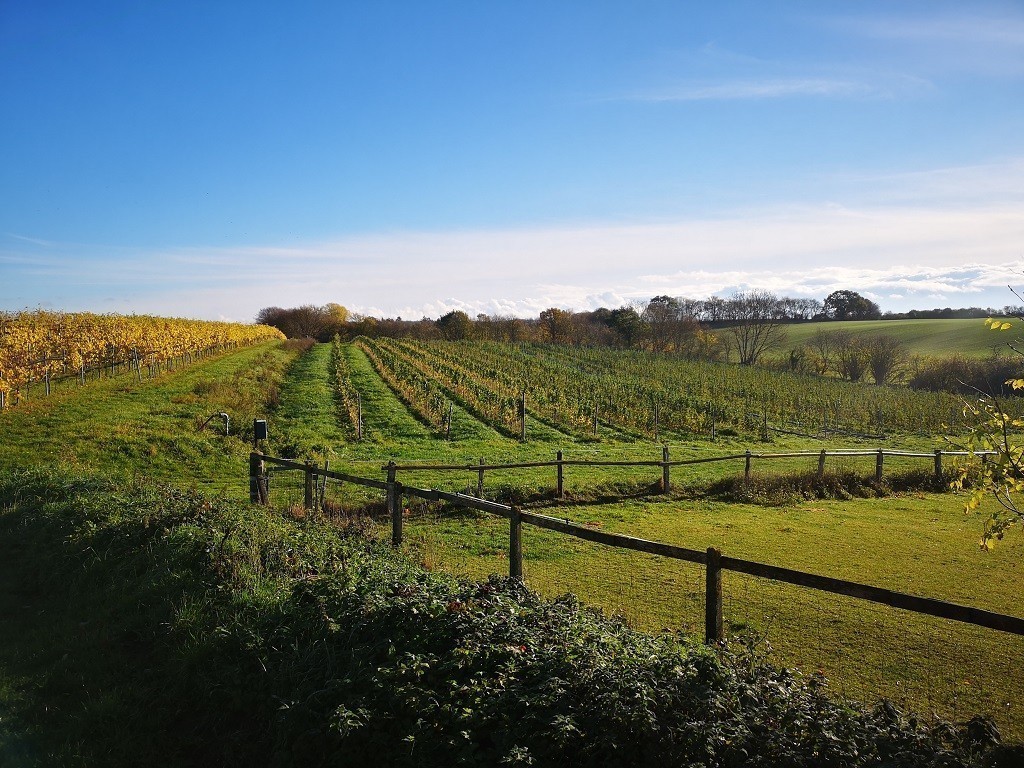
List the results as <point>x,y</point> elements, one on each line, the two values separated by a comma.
<point>255,639</point>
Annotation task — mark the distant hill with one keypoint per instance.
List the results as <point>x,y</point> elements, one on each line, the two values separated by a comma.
<point>970,338</point>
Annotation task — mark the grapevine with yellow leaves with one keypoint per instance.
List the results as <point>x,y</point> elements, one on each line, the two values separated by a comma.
<point>39,343</point>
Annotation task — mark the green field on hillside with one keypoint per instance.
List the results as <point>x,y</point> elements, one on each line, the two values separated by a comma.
<point>917,541</point>
<point>938,338</point>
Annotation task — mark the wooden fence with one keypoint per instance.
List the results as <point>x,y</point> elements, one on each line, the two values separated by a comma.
<point>712,559</point>
<point>665,463</point>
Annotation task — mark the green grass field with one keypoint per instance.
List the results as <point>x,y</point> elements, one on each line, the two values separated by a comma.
<point>917,542</point>
<point>937,338</point>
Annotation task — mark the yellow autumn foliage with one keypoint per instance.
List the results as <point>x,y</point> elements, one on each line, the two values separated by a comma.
<point>38,342</point>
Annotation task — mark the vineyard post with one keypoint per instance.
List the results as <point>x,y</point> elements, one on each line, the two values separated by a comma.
<point>307,494</point>
<point>559,488</point>
<point>81,375</point>
<point>746,467</point>
<point>713,624</point>
<point>522,417</point>
<point>515,544</point>
<point>2,400</point>
<point>656,419</point>
<point>938,465</point>
<point>713,434</point>
<point>448,423</point>
<point>595,419</point>
<point>666,484</point>
<point>879,459</point>
<point>359,416</point>
<point>46,379</point>
<point>480,480</point>
<point>821,464</point>
<point>321,491</point>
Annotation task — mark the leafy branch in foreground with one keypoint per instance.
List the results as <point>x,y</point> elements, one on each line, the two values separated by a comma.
<point>997,435</point>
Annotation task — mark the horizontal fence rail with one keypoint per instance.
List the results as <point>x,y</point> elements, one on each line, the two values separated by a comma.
<point>666,464</point>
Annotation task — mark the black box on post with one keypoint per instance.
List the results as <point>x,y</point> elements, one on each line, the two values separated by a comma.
<point>259,429</point>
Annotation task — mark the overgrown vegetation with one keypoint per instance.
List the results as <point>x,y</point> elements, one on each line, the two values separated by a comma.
<point>779,488</point>
<point>252,639</point>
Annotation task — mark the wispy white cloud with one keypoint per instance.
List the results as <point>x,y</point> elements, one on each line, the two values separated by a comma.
<point>973,40</point>
<point>32,240</point>
<point>966,27</point>
<point>770,88</point>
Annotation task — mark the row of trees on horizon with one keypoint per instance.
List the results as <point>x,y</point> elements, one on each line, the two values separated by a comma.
<point>664,323</point>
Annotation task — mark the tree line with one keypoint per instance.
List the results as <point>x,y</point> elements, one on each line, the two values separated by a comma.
<point>664,322</point>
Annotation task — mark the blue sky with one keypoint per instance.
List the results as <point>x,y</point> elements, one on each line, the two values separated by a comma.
<point>208,159</point>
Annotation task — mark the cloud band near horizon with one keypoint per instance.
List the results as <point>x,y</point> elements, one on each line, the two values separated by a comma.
<point>907,256</point>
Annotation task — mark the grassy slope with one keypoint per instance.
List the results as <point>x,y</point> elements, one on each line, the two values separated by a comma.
<point>306,420</point>
<point>921,337</point>
<point>121,426</point>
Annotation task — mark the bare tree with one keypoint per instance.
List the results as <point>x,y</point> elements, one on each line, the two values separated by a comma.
<point>823,344</point>
<point>886,356</point>
<point>851,354</point>
<point>756,324</point>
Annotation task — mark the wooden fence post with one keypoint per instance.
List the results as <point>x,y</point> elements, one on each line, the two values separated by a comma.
<point>560,490</point>
<point>879,460</point>
<point>746,467</point>
<point>480,480</point>
<point>259,492</point>
<point>821,464</point>
<point>394,504</point>
<point>255,472</point>
<point>396,514</point>
<point>307,492</point>
<point>938,465</point>
<point>515,544</point>
<point>713,625</point>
